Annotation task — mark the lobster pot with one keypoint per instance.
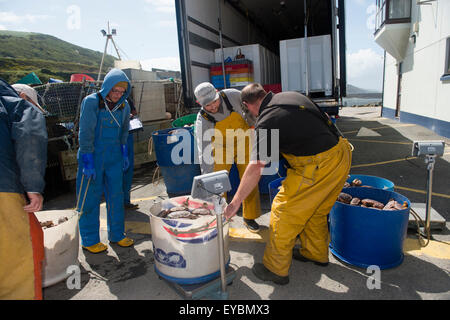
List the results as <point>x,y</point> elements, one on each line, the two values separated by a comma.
<point>61,245</point>
<point>186,251</point>
<point>364,236</point>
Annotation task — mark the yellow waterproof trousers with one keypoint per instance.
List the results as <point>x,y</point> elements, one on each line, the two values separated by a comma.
<point>232,145</point>
<point>21,250</point>
<point>307,195</point>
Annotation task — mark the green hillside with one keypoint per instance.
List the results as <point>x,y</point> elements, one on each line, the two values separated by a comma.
<point>47,56</point>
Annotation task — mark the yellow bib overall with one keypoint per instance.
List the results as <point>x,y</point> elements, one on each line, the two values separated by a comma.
<point>234,129</point>
<point>307,195</point>
<point>21,250</point>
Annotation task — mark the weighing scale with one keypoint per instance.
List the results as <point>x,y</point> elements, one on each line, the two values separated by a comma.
<point>210,187</point>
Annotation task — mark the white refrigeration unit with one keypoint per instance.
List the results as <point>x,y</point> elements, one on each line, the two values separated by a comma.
<point>306,65</point>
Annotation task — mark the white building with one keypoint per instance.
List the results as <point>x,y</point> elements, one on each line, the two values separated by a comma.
<point>415,35</point>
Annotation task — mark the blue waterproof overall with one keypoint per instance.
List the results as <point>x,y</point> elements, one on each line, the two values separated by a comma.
<point>128,174</point>
<point>103,136</point>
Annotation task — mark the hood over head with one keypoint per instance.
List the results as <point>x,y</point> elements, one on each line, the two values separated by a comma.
<point>111,79</point>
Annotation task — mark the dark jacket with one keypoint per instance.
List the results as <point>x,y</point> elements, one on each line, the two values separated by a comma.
<point>23,144</point>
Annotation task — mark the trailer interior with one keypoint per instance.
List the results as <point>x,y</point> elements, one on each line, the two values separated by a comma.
<point>268,22</point>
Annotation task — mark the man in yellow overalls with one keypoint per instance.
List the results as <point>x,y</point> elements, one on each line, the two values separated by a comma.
<point>319,159</point>
<point>223,138</point>
<point>23,159</point>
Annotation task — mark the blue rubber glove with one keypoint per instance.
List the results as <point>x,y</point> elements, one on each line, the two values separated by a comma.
<point>88,165</point>
<point>126,162</point>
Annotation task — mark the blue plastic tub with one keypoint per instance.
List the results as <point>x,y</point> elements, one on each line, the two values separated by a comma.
<point>373,181</point>
<point>363,236</point>
<point>266,179</point>
<point>273,188</point>
<point>177,176</point>
<point>234,181</point>
<point>263,184</point>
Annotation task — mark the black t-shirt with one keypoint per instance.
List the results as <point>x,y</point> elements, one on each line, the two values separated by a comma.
<point>302,131</point>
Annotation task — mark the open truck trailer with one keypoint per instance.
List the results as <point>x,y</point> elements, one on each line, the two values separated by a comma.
<point>294,45</point>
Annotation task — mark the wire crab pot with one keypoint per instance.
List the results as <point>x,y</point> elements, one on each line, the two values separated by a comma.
<point>63,100</point>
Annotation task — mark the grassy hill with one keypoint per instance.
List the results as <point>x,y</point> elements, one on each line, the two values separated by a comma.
<point>356,92</point>
<point>47,56</point>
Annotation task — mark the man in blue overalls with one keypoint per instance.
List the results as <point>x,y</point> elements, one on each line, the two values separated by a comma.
<point>102,158</point>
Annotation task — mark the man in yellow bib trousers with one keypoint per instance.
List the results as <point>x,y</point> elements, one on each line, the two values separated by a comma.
<point>223,138</point>
<point>23,159</point>
<point>319,160</point>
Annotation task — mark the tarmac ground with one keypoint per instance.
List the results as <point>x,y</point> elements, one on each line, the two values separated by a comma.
<point>382,148</point>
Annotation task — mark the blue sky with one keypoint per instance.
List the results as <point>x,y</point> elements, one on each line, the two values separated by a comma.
<point>146,31</point>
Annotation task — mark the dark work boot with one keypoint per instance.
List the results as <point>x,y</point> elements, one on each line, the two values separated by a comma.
<point>131,206</point>
<point>262,273</point>
<point>297,256</point>
<point>251,225</point>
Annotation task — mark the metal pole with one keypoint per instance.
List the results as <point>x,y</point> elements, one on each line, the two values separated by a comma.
<point>430,161</point>
<point>103,57</point>
<point>218,210</point>
<point>221,45</point>
<point>117,51</point>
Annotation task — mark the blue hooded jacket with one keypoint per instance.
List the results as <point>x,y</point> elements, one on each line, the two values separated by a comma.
<point>90,110</point>
<point>23,143</point>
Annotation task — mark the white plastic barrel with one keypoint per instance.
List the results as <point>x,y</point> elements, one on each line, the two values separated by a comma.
<point>186,251</point>
<point>61,244</point>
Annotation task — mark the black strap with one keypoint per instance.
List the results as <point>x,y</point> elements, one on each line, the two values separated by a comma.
<point>227,102</point>
<point>209,117</point>
<point>318,113</point>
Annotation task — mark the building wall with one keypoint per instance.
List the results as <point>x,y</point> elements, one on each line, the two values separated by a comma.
<point>425,98</point>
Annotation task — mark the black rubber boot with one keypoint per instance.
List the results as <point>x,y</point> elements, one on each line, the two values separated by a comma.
<point>262,273</point>
<point>131,206</point>
<point>251,225</point>
<point>297,256</point>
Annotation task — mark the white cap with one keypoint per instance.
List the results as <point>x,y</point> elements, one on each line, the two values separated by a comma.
<point>206,93</point>
<point>29,91</point>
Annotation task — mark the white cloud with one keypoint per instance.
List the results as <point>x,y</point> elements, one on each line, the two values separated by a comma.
<point>164,6</point>
<point>166,23</point>
<point>360,2</point>
<point>371,11</point>
<point>365,69</point>
<point>166,63</point>
<point>2,27</point>
<point>12,18</point>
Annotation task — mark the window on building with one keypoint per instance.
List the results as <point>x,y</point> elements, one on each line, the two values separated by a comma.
<point>392,11</point>
<point>399,9</point>
<point>380,16</point>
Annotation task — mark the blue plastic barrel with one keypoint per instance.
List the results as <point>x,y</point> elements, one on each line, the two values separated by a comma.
<point>266,179</point>
<point>177,167</point>
<point>363,236</point>
<point>273,188</point>
<point>373,181</point>
<point>234,181</point>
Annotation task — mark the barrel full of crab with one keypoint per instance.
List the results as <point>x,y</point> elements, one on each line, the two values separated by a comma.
<point>186,251</point>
